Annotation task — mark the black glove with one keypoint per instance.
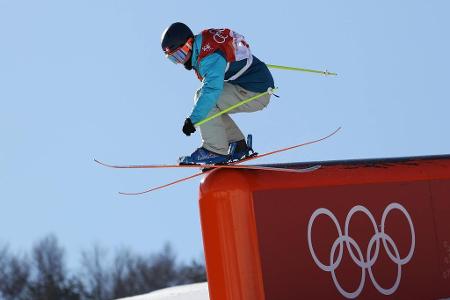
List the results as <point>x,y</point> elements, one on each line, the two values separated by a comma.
<point>188,127</point>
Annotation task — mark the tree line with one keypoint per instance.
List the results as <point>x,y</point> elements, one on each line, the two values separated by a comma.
<point>42,274</point>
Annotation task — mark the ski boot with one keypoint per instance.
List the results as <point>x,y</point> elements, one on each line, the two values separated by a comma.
<point>241,149</point>
<point>203,156</point>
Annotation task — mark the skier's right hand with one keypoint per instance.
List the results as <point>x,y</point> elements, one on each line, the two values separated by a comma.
<point>188,127</point>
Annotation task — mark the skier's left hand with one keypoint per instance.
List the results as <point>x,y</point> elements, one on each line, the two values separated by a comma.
<point>188,127</point>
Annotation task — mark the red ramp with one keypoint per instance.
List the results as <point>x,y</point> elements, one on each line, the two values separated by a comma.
<point>366,229</point>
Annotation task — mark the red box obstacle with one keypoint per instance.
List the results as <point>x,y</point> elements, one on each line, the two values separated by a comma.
<point>370,229</point>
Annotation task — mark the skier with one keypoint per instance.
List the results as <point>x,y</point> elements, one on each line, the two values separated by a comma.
<point>222,60</point>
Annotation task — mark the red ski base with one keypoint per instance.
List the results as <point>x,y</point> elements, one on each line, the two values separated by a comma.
<point>208,167</point>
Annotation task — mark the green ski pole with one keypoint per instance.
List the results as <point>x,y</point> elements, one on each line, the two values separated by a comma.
<point>269,91</point>
<point>301,70</point>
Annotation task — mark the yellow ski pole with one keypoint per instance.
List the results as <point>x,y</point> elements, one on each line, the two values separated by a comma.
<point>269,91</point>
<point>301,70</point>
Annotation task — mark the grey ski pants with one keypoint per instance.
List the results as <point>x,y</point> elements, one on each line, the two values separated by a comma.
<point>218,133</point>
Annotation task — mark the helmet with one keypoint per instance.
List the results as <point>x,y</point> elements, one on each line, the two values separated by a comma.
<point>175,36</point>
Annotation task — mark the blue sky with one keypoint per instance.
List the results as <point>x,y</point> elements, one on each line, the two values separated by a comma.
<point>85,79</point>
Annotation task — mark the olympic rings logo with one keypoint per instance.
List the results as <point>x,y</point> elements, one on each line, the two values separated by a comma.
<point>218,37</point>
<point>364,262</point>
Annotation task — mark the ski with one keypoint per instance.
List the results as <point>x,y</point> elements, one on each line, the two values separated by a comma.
<point>204,167</point>
<point>304,170</point>
<point>209,168</point>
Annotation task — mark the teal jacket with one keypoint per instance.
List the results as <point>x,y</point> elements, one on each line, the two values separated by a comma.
<point>257,78</point>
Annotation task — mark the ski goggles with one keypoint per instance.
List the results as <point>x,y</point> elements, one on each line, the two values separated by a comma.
<point>181,54</point>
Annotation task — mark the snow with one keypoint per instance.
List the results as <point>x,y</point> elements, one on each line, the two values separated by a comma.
<point>196,291</point>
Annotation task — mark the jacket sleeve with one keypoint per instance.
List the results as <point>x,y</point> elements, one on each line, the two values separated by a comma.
<point>212,69</point>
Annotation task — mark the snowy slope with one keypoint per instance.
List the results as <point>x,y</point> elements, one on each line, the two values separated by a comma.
<point>196,291</point>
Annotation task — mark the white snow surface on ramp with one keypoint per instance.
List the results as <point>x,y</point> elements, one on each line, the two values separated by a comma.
<point>196,291</point>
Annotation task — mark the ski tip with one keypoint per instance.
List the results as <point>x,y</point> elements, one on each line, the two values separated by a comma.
<point>97,161</point>
<point>127,194</point>
<point>334,132</point>
<point>101,163</point>
<point>132,193</point>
